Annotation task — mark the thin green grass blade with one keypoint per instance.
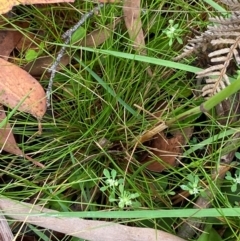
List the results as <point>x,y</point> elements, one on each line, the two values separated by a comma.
<point>12,112</point>
<point>216,6</point>
<point>145,214</point>
<point>108,89</point>
<point>210,140</point>
<point>141,58</point>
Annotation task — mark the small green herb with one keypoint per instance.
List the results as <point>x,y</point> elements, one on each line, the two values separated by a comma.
<point>192,186</point>
<point>117,192</point>
<point>235,180</point>
<point>173,32</point>
<point>32,54</point>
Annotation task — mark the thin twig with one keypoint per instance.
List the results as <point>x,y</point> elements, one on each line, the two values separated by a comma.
<point>67,38</point>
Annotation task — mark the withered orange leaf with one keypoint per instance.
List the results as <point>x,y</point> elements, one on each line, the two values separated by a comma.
<point>6,5</point>
<point>166,149</point>
<point>7,140</point>
<point>8,41</point>
<point>17,86</point>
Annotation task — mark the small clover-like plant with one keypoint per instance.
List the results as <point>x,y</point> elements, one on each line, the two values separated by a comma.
<point>173,32</point>
<point>117,193</point>
<point>111,182</point>
<point>127,199</point>
<point>193,186</point>
<point>235,180</point>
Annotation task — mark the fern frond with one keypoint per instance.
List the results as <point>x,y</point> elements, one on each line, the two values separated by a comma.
<point>233,5</point>
<point>220,58</point>
<point>234,19</point>
<point>216,77</point>
<point>196,45</point>
<point>223,41</point>
<point>228,27</point>
<point>218,34</point>
<point>221,44</point>
<point>187,51</point>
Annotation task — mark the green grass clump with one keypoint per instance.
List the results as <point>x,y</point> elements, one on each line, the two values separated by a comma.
<point>89,134</point>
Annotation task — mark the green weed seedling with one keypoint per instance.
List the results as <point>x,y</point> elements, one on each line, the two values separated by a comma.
<point>235,180</point>
<point>126,199</point>
<point>111,181</point>
<point>173,32</point>
<point>117,193</point>
<point>237,155</point>
<point>192,186</point>
<point>32,54</point>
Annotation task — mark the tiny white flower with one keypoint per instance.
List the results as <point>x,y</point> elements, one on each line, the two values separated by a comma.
<point>112,182</point>
<point>194,191</point>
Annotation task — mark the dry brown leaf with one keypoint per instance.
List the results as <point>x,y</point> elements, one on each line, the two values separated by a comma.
<point>180,197</point>
<point>28,41</point>
<point>6,5</point>
<point>17,85</point>
<point>166,149</point>
<point>132,17</point>
<point>11,38</point>
<point>8,142</point>
<point>41,64</point>
<point>99,36</point>
<point>8,41</point>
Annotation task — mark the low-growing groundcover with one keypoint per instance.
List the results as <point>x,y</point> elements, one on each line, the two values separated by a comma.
<point>127,131</point>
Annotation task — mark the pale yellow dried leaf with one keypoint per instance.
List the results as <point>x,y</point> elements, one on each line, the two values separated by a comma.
<point>132,17</point>
<point>92,230</point>
<point>99,36</point>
